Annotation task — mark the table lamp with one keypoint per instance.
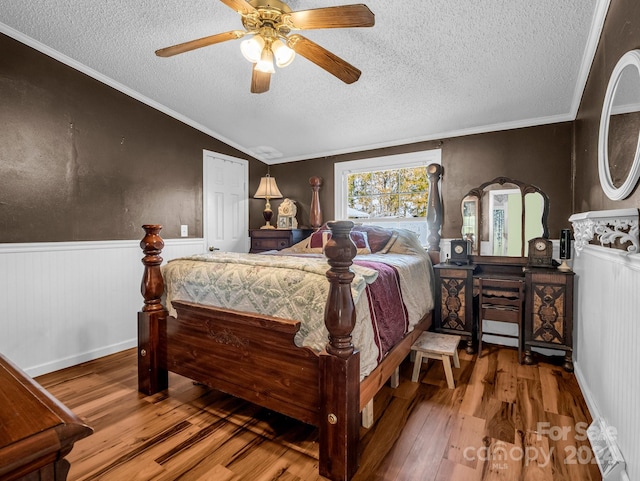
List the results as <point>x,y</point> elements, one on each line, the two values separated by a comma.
<point>268,189</point>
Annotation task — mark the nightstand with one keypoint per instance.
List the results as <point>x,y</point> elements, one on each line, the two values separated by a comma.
<point>549,313</point>
<point>276,239</point>
<point>453,310</point>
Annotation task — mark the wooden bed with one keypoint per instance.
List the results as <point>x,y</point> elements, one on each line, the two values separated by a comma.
<point>262,364</point>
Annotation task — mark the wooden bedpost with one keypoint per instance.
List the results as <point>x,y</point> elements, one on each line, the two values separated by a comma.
<point>434,209</point>
<point>339,364</point>
<point>151,377</point>
<point>315,213</point>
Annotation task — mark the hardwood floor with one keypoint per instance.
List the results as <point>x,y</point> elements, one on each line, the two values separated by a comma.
<point>503,421</point>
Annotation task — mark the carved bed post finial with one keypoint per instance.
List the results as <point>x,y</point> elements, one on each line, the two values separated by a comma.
<point>152,285</point>
<point>340,314</point>
<point>315,213</point>
<point>340,364</point>
<point>434,209</point>
<point>152,377</point>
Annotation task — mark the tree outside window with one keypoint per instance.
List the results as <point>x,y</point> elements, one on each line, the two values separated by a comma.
<point>390,193</point>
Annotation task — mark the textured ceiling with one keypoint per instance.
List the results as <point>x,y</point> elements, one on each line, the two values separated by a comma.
<point>430,68</point>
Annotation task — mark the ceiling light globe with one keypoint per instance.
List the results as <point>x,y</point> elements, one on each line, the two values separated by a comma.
<point>283,54</point>
<point>251,48</point>
<point>265,64</point>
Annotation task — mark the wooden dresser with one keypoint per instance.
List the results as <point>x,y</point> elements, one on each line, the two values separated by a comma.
<point>270,239</point>
<point>548,296</point>
<point>549,313</point>
<point>454,312</point>
<point>36,430</point>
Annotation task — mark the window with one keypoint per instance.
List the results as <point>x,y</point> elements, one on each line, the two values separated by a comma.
<point>388,191</point>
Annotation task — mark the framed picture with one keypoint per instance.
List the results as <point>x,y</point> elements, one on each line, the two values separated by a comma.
<point>285,222</point>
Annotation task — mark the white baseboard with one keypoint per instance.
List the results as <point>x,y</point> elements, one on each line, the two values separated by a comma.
<point>79,358</point>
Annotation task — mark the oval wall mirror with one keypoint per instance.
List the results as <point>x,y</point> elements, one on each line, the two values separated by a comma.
<point>619,135</point>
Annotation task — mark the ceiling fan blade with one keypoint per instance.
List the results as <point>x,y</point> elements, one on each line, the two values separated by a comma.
<point>260,81</point>
<point>323,58</point>
<point>201,42</point>
<point>240,6</point>
<point>344,16</point>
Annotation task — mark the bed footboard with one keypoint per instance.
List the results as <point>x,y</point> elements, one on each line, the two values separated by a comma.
<point>250,356</point>
<point>254,357</point>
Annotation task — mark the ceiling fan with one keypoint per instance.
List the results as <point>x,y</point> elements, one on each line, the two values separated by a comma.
<point>269,23</point>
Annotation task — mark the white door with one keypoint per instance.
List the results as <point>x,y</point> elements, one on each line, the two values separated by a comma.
<point>226,202</point>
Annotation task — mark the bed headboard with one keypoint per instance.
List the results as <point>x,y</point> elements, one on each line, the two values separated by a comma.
<point>434,212</point>
<point>434,209</point>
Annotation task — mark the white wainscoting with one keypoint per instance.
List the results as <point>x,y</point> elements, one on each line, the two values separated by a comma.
<point>65,303</point>
<point>607,340</point>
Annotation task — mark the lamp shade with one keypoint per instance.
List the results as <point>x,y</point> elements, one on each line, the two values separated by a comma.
<point>268,189</point>
<point>283,54</point>
<point>251,48</point>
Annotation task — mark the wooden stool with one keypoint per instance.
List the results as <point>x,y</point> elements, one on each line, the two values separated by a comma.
<point>432,345</point>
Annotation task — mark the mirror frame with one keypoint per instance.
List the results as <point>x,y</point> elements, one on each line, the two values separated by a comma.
<point>525,189</point>
<point>631,58</point>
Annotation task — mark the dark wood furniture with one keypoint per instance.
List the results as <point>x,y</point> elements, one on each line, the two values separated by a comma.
<point>547,296</point>
<point>548,292</point>
<point>501,299</point>
<point>255,357</point>
<point>270,239</point>
<point>315,211</point>
<point>36,430</point>
<point>549,312</point>
<point>499,267</point>
<point>454,301</point>
<point>434,209</point>
<point>479,225</point>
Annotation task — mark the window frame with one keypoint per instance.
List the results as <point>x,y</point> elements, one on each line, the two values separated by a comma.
<point>398,161</point>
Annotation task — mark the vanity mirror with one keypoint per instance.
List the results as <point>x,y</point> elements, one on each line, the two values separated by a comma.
<point>619,135</point>
<point>500,216</point>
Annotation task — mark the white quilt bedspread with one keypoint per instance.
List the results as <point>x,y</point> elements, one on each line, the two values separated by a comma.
<point>293,287</point>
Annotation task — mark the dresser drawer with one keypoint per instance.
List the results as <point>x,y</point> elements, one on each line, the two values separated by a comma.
<point>276,239</point>
<point>269,243</point>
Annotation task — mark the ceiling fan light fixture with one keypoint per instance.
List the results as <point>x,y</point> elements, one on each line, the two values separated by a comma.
<point>283,54</point>
<point>252,48</point>
<point>265,64</point>
<point>267,41</point>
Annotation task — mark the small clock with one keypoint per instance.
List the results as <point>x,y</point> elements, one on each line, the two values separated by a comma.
<point>460,251</point>
<point>540,253</point>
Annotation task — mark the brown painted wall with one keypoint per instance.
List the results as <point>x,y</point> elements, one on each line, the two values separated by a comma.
<point>535,155</point>
<point>82,161</point>
<point>620,34</point>
<point>77,159</point>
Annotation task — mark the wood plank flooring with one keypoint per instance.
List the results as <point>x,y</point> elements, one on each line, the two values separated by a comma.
<point>503,421</point>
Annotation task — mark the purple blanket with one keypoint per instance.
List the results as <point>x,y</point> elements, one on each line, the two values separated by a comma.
<point>389,315</point>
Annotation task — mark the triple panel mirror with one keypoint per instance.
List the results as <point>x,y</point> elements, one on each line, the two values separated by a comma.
<point>500,216</point>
